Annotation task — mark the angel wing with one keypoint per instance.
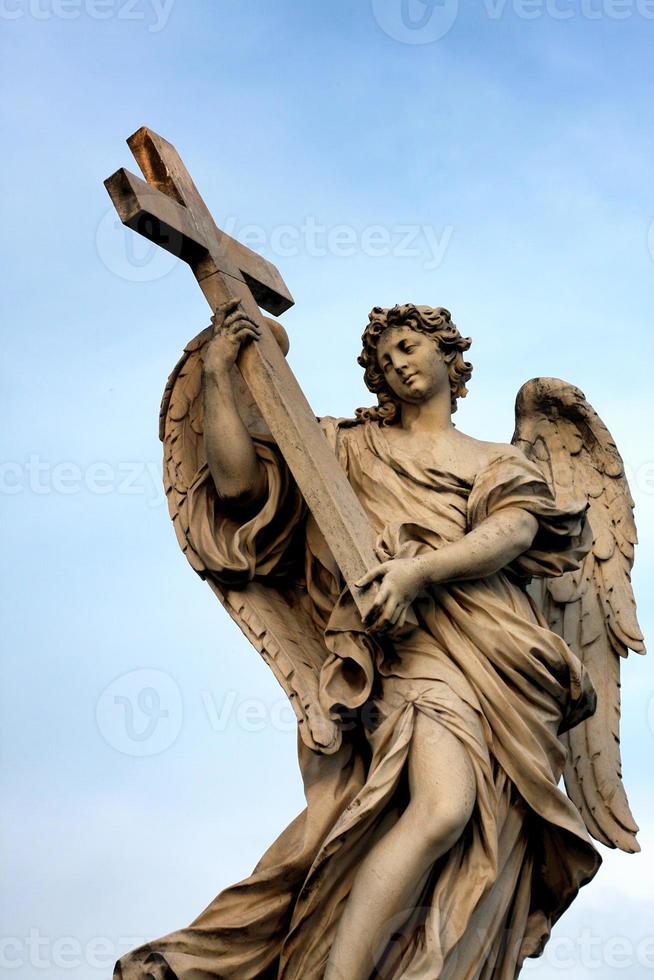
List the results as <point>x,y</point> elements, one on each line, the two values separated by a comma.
<point>276,621</point>
<point>593,609</point>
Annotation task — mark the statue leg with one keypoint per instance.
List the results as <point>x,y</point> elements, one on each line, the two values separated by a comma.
<point>390,880</point>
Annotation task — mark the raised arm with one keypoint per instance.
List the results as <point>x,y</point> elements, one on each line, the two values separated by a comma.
<point>491,546</point>
<point>233,464</point>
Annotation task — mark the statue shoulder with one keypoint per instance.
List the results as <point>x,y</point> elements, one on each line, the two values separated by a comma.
<point>505,450</point>
<point>480,453</point>
<point>335,428</point>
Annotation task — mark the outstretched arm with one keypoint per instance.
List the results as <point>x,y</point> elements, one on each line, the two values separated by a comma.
<point>233,464</point>
<point>491,546</point>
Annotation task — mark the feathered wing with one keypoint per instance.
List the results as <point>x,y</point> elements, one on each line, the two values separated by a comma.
<point>593,609</point>
<point>276,621</point>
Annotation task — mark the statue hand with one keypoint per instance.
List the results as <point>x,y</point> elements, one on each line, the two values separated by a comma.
<point>231,329</point>
<point>401,579</point>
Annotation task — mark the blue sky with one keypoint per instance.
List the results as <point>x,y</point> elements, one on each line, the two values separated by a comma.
<point>498,161</point>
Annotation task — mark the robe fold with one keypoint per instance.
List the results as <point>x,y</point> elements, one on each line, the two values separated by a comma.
<point>482,663</point>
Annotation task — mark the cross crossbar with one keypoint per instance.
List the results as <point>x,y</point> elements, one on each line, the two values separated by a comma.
<point>168,210</point>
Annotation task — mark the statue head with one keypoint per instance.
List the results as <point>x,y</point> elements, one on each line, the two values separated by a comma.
<point>434,322</point>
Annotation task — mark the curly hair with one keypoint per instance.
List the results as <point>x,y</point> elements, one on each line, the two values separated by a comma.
<point>435,322</point>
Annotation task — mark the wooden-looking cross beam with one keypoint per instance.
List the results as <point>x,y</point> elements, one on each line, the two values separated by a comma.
<point>167,209</point>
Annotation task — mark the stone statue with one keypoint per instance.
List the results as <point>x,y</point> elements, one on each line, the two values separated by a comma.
<point>433,726</point>
<point>435,842</point>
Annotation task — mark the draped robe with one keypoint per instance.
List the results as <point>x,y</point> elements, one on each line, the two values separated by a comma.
<point>481,662</point>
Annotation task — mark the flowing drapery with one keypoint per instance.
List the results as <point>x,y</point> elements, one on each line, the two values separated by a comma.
<point>482,663</point>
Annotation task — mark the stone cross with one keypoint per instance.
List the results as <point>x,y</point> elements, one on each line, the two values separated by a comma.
<point>167,209</point>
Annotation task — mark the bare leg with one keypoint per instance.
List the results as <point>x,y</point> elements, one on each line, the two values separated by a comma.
<point>389,881</point>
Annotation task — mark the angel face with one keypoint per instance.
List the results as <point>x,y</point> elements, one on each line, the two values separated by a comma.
<point>413,365</point>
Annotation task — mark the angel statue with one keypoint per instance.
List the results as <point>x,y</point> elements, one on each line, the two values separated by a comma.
<point>436,842</point>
